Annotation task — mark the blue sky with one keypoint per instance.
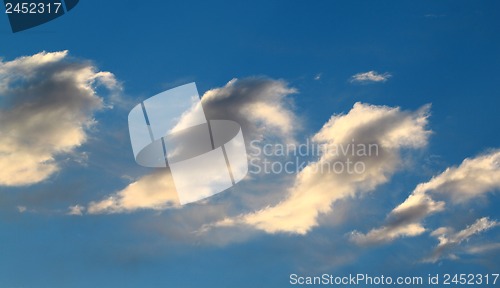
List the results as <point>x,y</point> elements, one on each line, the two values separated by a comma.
<point>440,53</point>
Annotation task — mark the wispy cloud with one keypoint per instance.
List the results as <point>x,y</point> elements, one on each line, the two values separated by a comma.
<point>369,77</point>
<point>482,248</point>
<point>473,178</point>
<point>155,191</point>
<point>448,239</point>
<point>76,210</point>
<point>48,101</point>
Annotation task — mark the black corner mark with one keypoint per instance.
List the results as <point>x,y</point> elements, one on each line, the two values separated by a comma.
<point>26,14</point>
<point>70,4</point>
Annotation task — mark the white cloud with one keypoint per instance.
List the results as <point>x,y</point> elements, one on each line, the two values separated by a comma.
<point>259,105</point>
<point>76,210</point>
<point>46,105</point>
<point>448,240</point>
<point>370,76</point>
<point>403,221</point>
<point>155,191</point>
<point>386,234</point>
<point>473,178</point>
<point>314,190</point>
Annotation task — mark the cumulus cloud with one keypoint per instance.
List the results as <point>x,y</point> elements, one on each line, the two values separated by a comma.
<point>370,76</point>
<point>46,105</point>
<point>448,239</point>
<point>315,188</point>
<point>259,105</point>
<point>457,185</point>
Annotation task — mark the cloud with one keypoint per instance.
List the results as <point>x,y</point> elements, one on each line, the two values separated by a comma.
<point>315,189</point>
<point>370,76</point>
<point>154,191</point>
<point>76,210</point>
<point>258,104</point>
<point>473,178</point>
<point>387,234</point>
<point>46,105</point>
<point>403,221</point>
<point>482,249</point>
<point>448,240</point>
